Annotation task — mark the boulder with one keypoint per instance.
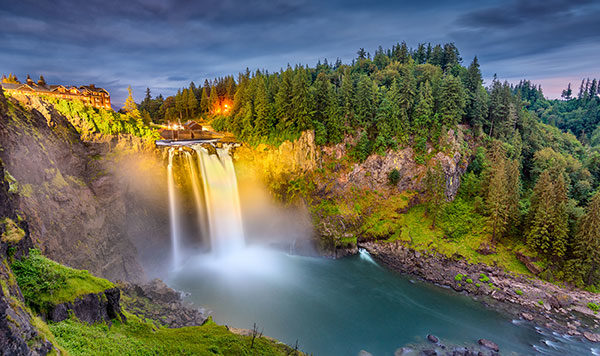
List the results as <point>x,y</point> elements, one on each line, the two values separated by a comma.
<point>489,344</point>
<point>593,337</point>
<point>486,249</point>
<point>527,316</point>
<point>528,262</point>
<point>433,338</point>
<point>564,300</point>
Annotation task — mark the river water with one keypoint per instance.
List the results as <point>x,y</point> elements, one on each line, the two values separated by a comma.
<point>340,307</point>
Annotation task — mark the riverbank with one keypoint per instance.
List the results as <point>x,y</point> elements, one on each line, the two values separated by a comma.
<point>565,311</point>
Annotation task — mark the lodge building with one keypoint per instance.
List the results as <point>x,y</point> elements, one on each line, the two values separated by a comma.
<point>88,94</point>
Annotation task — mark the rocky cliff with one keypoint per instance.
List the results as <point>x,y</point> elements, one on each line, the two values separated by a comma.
<point>75,207</point>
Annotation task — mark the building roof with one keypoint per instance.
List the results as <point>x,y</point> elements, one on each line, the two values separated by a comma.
<point>50,88</point>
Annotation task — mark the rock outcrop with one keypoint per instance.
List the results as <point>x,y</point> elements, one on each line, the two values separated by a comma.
<point>90,308</point>
<point>373,172</point>
<point>156,301</point>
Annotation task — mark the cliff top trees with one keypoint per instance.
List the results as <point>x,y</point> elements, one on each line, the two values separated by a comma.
<point>130,106</point>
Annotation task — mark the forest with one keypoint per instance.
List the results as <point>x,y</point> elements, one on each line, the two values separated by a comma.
<point>534,175</point>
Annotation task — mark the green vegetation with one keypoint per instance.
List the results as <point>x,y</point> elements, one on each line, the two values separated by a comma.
<point>141,338</point>
<point>394,176</point>
<point>540,302</point>
<point>459,277</point>
<point>483,278</point>
<point>469,280</point>
<point>12,232</point>
<point>519,292</point>
<point>88,120</point>
<point>45,283</point>
<point>593,307</point>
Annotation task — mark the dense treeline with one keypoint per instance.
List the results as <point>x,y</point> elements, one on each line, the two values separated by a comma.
<point>190,103</point>
<point>534,177</point>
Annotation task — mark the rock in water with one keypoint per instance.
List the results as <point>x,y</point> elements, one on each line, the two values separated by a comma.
<point>592,336</point>
<point>489,344</point>
<point>433,338</point>
<point>527,316</point>
<point>364,353</point>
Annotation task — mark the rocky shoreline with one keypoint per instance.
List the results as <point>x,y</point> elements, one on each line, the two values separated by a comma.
<point>547,305</point>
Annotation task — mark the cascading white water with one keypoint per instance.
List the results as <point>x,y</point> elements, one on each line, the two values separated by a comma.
<point>198,199</point>
<point>173,215</point>
<point>222,200</point>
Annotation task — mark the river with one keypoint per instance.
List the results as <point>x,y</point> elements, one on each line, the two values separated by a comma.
<point>340,307</point>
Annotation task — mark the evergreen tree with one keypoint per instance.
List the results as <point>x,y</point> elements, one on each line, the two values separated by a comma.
<point>513,194</point>
<point>423,116</point>
<point>130,106</point>
<point>192,102</point>
<point>588,240</point>
<point>347,99</point>
<point>301,105</point>
<point>567,93</point>
<point>497,191</point>
<point>213,99</point>
<point>384,136</point>
<point>204,102</point>
<point>263,121</point>
<point>452,101</point>
<point>542,214</point>
<point>364,102</point>
<point>283,101</point>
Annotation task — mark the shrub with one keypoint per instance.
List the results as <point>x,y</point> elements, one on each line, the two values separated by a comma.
<point>394,176</point>
<point>540,302</point>
<point>491,284</point>
<point>469,280</point>
<point>593,306</point>
<point>459,277</point>
<point>477,285</point>
<point>519,292</point>
<point>484,278</point>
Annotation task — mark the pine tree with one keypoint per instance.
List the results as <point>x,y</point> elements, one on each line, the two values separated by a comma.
<point>283,101</point>
<point>347,99</point>
<point>301,105</point>
<point>213,99</point>
<point>542,215</point>
<point>561,217</point>
<point>497,191</point>
<point>588,240</point>
<point>452,101</point>
<point>398,118</point>
<point>192,103</point>
<point>204,101</point>
<point>513,194</point>
<point>384,135</point>
<point>262,110</point>
<point>423,116</point>
<point>130,106</point>
<point>567,93</point>
<point>407,89</point>
<point>364,109</point>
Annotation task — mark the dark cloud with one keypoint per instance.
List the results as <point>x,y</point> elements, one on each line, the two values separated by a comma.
<point>164,44</point>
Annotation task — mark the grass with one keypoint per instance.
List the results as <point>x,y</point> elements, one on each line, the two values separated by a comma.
<point>45,283</point>
<point>519,292</point>
<point>141,338</point>
<point>593,307</point>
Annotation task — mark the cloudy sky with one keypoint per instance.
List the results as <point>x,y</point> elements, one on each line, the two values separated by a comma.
<point>165,44</point>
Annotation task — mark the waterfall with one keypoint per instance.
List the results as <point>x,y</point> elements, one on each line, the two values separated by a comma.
<point>222,200</point>
<point>198,199</point>
<point>211,189</point>
<point>173,215</point>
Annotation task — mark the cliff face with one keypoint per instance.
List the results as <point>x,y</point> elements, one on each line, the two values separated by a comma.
<point>73,203</point>
<point>373,172</point>
<point>19,334</point>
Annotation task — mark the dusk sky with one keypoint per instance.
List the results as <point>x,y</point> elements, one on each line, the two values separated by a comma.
<point>165,44</point>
